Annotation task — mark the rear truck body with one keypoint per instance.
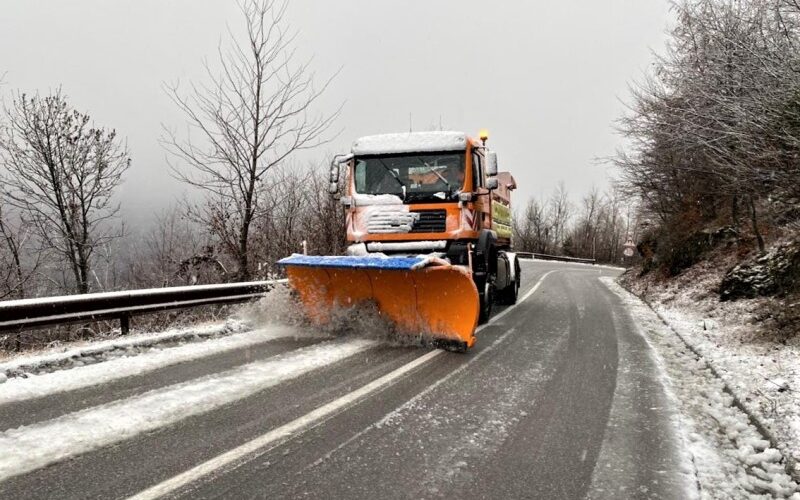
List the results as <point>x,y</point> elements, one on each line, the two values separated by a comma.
<point>428,222</point>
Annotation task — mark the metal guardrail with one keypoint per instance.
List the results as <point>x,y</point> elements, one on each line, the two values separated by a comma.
<point>18,315</point>
<point>560,258</point>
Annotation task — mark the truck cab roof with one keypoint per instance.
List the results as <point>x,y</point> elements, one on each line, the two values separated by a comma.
<point>410,142</point>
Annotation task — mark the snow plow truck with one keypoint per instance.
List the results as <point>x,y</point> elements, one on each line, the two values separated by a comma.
<point>428,220</point>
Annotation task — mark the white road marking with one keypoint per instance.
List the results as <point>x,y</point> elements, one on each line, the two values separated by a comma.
<point>46,384</point>
<point>32,447</point>
<point>315,417</point>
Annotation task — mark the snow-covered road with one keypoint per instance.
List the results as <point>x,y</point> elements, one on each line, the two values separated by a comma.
<point>577,391</point>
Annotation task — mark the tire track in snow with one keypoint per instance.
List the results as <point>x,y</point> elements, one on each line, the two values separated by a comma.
<point>31,447</point>
<point>322,413</point>
<point>47,384</point>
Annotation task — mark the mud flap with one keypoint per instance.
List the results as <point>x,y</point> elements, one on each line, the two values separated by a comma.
<point>421,295</point>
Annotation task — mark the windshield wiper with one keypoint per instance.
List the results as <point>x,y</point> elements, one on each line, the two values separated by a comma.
<point>395,177</point>
<point>430,169</point>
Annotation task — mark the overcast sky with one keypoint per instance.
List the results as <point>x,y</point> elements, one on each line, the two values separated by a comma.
<point>545,77</point>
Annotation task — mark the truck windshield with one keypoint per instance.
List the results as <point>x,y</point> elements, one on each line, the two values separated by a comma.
<point>419,176</point>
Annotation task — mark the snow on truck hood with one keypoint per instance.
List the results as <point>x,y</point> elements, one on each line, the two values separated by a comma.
<point>410,142</point>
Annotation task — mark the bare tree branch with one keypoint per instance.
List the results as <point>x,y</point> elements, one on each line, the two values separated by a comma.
<point>253,115</point>
<point>61,172</point>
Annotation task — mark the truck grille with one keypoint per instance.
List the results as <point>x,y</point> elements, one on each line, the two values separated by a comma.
<point>430,221</point>
<point>388,220</point>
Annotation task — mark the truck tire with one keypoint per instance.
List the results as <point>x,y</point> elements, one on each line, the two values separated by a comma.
<point>483,273</point>
<point>508,295</point>
<point>486,302</point>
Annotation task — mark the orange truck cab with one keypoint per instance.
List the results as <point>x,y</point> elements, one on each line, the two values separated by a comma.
<point>436,193</point>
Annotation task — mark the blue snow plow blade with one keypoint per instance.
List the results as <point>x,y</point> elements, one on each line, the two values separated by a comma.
<point>353,262</point>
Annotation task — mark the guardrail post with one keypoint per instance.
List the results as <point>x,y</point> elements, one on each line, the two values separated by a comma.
<point>125,324</point>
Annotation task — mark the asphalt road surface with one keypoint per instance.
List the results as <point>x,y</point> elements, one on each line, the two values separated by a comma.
<point>560,398</point>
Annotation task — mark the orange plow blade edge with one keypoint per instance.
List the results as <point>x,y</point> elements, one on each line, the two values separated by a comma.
<point>420,295</point>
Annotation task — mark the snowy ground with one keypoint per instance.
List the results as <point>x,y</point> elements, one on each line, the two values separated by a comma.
<point>725,455</point>
<point>80,365</point>
<point>31,447</point>
<point>268,318</point>
<point>86,352</point>
<point>120,362</point>
<point>730,457</point>
<point>762,372</point>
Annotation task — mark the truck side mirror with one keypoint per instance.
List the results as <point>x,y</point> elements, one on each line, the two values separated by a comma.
<point>491,183</point>
<point>491,164</point>
<point>334,174</point>
<point>336,164</point>
<point>333,187</point>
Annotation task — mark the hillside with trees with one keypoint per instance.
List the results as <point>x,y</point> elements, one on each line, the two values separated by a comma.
<point>714,160</point>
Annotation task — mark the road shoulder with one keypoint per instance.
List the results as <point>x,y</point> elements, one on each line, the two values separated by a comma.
<point>730,458</point>
<point>643,454</point>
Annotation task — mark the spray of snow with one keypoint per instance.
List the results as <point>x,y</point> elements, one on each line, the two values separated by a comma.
<point>363,320</point>
<point>279,307</point>
<point>32,447</point>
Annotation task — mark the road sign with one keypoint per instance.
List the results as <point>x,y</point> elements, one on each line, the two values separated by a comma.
<point>629,248</point>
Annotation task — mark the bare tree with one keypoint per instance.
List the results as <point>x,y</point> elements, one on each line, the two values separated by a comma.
<point>600,228</point>
<point>559,215</point>
<point>325,223</point>
<point>303,210</point>
<point>254,114</point>
<point>542,227</point>
<point>532,230</point>
<point>20,258</point>
<point>715,132</point>
<point>173,251</point>
<point>61,172</point>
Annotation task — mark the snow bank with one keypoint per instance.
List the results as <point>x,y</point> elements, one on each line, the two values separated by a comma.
<point>730,456</point>
<point>411,142</point>
<point>35,386</point>
<point>764,373</point>
<point>32,447</point>
<point>94,351</point>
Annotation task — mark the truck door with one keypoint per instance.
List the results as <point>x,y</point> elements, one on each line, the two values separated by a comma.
<point>483,202</point>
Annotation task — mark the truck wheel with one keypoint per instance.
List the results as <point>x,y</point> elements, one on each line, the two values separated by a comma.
<point>486,302</point>
<point>508,295</point>
<point>483,270</point>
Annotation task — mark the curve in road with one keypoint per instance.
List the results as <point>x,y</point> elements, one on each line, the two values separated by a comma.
<point>560,399</point>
